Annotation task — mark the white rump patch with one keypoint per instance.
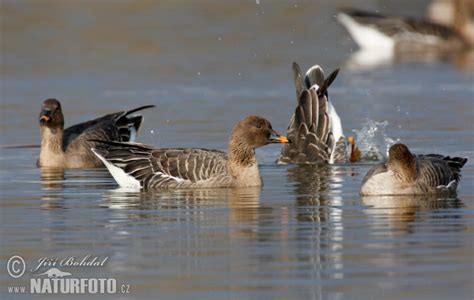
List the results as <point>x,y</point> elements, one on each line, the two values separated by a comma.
<point>123,179</point>
<point>366,37</point>
<point>336,127</point>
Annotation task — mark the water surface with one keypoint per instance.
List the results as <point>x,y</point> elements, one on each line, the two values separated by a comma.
<point>306,233</point>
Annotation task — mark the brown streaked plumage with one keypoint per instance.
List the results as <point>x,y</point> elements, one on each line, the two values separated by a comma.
<point>70,147</point>
<point>315,128</point>
<point>141,166</point>
<point>408,174</point>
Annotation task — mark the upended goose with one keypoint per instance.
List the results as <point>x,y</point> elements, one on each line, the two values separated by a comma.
<point>70,147</point>
<point>139,166</point>
<point>315,128</point>
<point>374,31</point>
<point>408,174</point>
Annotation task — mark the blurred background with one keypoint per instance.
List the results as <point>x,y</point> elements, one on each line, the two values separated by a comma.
<point>206,64</point>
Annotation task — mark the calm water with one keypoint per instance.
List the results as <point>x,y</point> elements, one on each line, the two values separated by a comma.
<point>306,233</point>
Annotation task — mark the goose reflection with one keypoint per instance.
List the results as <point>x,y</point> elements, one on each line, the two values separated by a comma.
<point>318,190</point>
<point>404,212</point>
<point>312,185</point>
<point>369,59</point>
<point>193,206</point>
<point>52,181</point>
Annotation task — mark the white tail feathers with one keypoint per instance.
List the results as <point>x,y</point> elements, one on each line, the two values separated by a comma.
<point>123,179</point>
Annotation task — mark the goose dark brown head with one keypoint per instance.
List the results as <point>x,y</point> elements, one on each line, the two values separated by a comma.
<point>402,161</point>
<point>399,153</point>
<point>51,114</point>
<point>256,131</point>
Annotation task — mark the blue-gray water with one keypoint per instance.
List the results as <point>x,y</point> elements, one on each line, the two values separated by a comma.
<point>306,233</point>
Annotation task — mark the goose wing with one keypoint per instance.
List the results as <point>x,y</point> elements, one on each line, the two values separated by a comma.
<point>436,170</point>
<point>400,26</point>
<point>141,166</point>
<point>120,126</point>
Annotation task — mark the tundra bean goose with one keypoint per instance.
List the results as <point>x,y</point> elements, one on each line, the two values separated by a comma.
<point>70,147</point>
<point>140,166</point>
<point>408,174</point>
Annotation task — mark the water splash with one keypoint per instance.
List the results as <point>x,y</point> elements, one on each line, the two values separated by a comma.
<point>372,140</point>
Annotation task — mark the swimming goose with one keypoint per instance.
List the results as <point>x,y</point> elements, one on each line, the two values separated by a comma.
<point>70,147</point>
<point>408,174</point>
<point>139,166</point>
<point>374,31</point>
<point>315,128</point>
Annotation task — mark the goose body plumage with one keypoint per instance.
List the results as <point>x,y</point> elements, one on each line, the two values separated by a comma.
<point>315,128</point>
<point>408,174</point>
<point>140,166</point>
<point>374,31</point>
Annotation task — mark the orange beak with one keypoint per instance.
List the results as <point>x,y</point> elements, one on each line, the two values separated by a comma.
<point>276,138</point>
<point>282,139</point>
<point>45,118</point>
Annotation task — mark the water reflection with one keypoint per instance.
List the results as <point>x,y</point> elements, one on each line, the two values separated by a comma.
<point>318,191</point>
<point>239,205</point>
<point>52,180</point>
<point>55,183</point>
<point>369,59</point>
<point>404,212</point>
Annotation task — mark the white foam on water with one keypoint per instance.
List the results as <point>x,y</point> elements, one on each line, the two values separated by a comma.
<point>372,140</point>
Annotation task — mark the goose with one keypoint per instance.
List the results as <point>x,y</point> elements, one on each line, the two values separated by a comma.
<point>374,31</point>
<point>408,174</point>
<point>355,152</point>
<point>139,166</point>
<point>315,128</point>
<point>70,147</point>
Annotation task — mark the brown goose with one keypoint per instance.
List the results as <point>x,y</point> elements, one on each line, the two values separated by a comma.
<point>374,31</point>
<point>315,128</point>
<point>70,147</point>
<point>355,152</point>
<point>140,166</point>
<point>408,174</point>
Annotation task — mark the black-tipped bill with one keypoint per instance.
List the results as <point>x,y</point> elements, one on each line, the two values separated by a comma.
<point>276,138</point>
<point>46,116</point>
